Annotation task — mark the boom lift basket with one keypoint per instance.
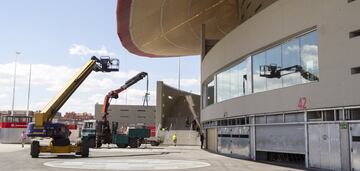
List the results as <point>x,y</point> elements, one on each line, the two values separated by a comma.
<point>269,71</point>
<point>106,64</point>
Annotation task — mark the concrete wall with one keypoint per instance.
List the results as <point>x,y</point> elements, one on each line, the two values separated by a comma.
<point>333,19</point>
<point>11,135</point>
<point>128,114</point>
<point>175,107</point>
<point>184,137</point>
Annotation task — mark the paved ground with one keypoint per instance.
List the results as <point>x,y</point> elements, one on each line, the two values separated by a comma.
<point>13,157</point>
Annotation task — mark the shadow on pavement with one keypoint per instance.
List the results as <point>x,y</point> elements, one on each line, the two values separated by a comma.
<point>104,156</point>
<point>131,155</point>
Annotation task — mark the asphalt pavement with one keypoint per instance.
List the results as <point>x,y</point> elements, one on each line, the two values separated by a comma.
<point>13,157</point>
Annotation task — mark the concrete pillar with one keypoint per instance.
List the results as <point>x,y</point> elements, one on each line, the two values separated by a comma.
<point>252,138</point>
<point>345,147</point>
<point>306,140</point>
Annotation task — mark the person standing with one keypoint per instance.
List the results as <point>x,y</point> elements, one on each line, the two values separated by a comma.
<point>202,140</point>
<point>174,138</point>
<point>23,138</point>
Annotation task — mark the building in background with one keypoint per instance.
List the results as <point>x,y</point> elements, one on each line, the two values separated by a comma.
<point>279,78</point>
<point>12,126</point>
<point>17,112</point>
<point>77,116</point>
<point>127,115</point>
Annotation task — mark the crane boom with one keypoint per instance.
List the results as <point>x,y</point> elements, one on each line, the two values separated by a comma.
<point>104,64</point>
<point>58,101</point>
<point>103,132</point>
<point>115,93</point>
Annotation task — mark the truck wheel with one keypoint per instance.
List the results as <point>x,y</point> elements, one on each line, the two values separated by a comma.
<point>98,142</point>
<point>84,148</point>
<point>154,143</point>
<point>133,143</point>
<point>35,149</point>
<point>121,145</point>
<point>78,144</point>
<point>92,143</point>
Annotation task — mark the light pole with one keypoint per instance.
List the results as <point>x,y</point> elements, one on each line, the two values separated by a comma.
<point>28,100</point>
<point>179,74</point>
<point>13,99</point>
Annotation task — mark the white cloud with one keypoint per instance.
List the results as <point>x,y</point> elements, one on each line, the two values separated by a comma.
<point>126,75</point>
<point>3,96</point>
<point>96,82</point>
<point>82,50</point>
<point>184,82</point>
<point>47,80</point>
<point>53,77</point>
<point>309,57</point>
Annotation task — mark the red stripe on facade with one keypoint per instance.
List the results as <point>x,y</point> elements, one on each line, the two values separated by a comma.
<point>13,124</point>
<point>123,12</point>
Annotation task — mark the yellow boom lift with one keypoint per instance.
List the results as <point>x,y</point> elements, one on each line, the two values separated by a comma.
<point>58,132</point>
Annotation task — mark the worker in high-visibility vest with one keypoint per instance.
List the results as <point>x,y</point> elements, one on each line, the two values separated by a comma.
<point>174,138</point>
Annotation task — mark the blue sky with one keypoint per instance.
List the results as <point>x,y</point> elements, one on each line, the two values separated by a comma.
<point>46,31</point>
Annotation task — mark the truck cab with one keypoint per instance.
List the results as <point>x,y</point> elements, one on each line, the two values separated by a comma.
<point>88,132</point>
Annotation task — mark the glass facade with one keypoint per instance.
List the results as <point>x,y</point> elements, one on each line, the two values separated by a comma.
<point>273,57</point>
<point>291,57</point>
<point>258,82</point>
<point>309,54</point>
<point>223,85</point>
<point>210,89</point>
<point>290,63</point>
<point>232,82</point>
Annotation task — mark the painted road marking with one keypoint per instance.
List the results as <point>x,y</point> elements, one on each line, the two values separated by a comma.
<point>128,164</point>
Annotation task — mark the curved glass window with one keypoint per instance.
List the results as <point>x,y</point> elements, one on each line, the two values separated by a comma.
<point>290,63</point>
<point>273,58</point>
<point>233,82</point>
<point>290,58</point>
<point>259,83</point>
<point>309,55</point>
<point>223,85</point>
<point>210,92</point>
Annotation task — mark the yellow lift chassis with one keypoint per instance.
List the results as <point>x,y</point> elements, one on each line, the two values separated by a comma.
<point>58,132</point>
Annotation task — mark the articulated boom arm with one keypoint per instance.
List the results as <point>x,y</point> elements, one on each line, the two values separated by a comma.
<point>114,94</point>
<point>273,71</point>
<point>104,64</point>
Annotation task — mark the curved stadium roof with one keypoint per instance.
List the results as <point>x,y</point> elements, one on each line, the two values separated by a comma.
<point>166,28</point>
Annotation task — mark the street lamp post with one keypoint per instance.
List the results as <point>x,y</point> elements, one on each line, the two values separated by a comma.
<point>179,74</point>
<point>28,98</point>
<point>13,99</point>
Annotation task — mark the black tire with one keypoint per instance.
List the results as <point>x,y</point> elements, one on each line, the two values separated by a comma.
<point>35,149</point>
<point>121,145</point>
<point>154,143</point>
<point>133,143</point>
<point>92,143</point>
<point>78,144</point>
<point>84,149</point>
<point>98,143</point>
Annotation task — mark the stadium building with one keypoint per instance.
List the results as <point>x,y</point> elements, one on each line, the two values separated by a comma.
<point>280,78</point>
